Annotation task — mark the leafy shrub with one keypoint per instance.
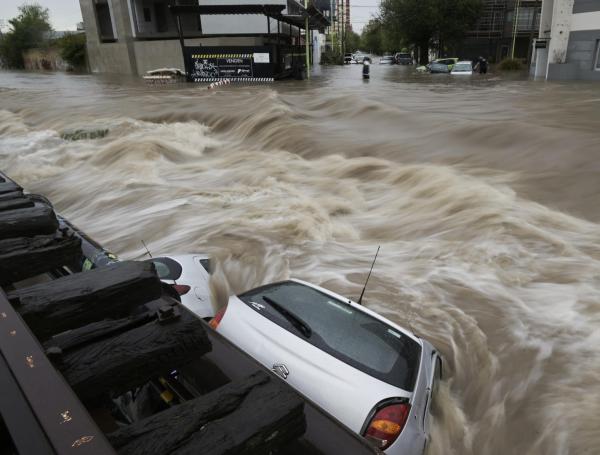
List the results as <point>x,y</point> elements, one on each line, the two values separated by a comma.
<point>79,134</point>
<point>510,64</point>
<point>332,57</point>
<point>72,49</point>
<point>26,32</point>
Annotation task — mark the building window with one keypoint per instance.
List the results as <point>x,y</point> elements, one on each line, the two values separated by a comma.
<point>160,13</point>
<point>528,18</point>
<point>597,56</point>
<point>106,31</point>
<point>147,15</point>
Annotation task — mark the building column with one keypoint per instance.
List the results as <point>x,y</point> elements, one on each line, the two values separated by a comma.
<point>123,21</point>
<point>541,55</point>
<point>562,12</point>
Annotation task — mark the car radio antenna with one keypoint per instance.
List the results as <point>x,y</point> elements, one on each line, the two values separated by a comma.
<point>368,276</point>
<point>147,250</point>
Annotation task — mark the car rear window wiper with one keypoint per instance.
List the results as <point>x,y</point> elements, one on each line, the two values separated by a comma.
<point>291,317</point>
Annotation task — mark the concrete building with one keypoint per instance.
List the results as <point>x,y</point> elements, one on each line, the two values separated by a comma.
<point>134,36</point>
<point>568,44</point>
<point>500,22</point>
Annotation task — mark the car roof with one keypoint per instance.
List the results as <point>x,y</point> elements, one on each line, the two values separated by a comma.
<point>182,257</point>
<point>360,308</point>
<point>464,61</point>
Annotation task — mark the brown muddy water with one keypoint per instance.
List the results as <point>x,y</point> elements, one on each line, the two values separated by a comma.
<point>483,194</point>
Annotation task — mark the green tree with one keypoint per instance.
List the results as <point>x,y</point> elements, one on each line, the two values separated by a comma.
<point>72,49</point>
<point>455,18</point>
<point>413,21</point>
<point>372,39</point>
<point>429,23</point>
<point>27,31</point>
<point>352,41</point>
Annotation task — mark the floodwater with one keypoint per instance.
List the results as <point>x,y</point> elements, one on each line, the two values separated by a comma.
<point>482,192</point>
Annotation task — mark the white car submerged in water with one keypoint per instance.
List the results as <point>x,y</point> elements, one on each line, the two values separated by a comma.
<point>463,68</point>
<point>374,376</point>
<point>188,275</point>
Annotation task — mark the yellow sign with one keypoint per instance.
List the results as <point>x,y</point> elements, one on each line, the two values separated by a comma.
<point>221,55</point>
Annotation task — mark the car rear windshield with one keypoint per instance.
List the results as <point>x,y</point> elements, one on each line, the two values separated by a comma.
<point>342,331</point>
<point>462,67</point>
<point>167,268</point>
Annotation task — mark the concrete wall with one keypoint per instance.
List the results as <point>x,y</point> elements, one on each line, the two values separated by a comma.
<point>167,53</point>
<point>110,58</point>
<point>106,57</point>
<point>581,56</point>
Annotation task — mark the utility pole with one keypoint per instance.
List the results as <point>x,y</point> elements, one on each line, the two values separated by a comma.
<point>531,34</point>
<point>343,30</point>
<point>306,36</point>
<point>515,28</point>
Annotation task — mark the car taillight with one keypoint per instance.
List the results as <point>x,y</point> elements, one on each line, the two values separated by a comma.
<point>181,289</point>
<point>387,424</point>
<point>214,322</point>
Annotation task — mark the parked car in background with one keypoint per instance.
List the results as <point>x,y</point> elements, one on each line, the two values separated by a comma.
<point>348,58</point>
<point>188,275</point>
<point>442,65</point>
<point>374,376</point>
<point>359,57</point>
<point>464,67</point>
<point>403,58</point>
<point>386,60</point>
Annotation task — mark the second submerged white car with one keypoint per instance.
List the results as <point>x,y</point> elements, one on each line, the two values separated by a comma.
<point>374,376</point>
<point>463,68</point>
<point>188,275</point>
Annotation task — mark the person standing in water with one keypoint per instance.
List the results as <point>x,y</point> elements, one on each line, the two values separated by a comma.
<point>481,65</point>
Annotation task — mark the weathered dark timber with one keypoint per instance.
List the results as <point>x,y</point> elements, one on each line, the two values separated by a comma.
<point>25,257</point>
<point>75,300</point>
<point>7,187</point>
<point>11,195</point>
<point>130,359</point>
<point>251,416</point>
<point>15,203</point>
<point>96,331</point>
<point>28,222</point>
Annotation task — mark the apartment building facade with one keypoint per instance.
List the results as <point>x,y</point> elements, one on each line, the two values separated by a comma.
<point>134,36</point>
<point>568,43</point>
<point>502,25</point>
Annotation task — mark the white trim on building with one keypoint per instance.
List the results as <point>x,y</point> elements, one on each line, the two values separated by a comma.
<point>585,21</point>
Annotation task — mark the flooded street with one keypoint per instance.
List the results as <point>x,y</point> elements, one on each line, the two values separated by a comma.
<point>483,194</point>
